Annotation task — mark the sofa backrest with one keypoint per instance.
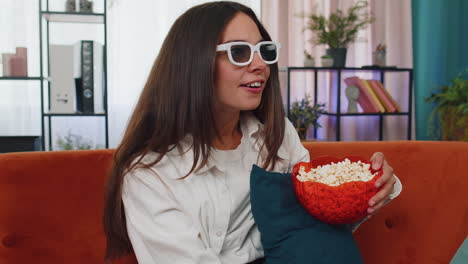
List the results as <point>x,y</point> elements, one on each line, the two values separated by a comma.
<point>51,204</point>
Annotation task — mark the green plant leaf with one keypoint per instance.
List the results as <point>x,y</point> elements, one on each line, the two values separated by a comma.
<point>303,114</point>
<point>74,142</point>
<point>340,29</point>
<point>444,99</point>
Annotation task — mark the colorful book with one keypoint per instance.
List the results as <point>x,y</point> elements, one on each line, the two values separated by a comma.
<point>374,96</point>
<point>395,103</point>
<point>384,98</point>
<point>365,100</point>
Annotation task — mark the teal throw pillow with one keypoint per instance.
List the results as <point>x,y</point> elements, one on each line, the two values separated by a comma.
<point>461,256</point>
<point>289,234</point>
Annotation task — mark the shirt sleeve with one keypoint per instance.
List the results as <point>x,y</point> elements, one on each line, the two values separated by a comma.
<point>397,187</point>
<point>159,229</point>
<point>297,151</point>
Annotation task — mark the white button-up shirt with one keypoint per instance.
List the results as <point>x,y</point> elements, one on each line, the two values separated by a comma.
<point>205,217</point>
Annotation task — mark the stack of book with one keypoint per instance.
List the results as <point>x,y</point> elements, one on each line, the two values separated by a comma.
<point>373,97</point>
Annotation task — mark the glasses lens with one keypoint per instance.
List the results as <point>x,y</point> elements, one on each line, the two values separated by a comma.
<point>240,53</point>
<point>269,52</point>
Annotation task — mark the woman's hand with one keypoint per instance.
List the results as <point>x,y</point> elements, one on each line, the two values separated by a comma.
<point>387,180</point>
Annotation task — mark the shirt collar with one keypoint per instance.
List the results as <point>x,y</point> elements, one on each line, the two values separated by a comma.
<point>249,125</point>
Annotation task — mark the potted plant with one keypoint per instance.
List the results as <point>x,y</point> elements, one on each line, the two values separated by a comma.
<point>340,29</point>
<point>75,142</point>
<point>450,113</point>
<point>308,60</point>
<point>303,115</point>
<point>327,61</point>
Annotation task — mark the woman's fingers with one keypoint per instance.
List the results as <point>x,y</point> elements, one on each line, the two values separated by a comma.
<point>386,175</point>
<point>377,160</point>
<point>379,199</point>
<point>387,180</point>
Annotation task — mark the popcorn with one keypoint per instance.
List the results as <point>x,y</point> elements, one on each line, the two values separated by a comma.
<point>338,173</point>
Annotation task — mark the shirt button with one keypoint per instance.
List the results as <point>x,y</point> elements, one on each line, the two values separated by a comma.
<point>219,233</point>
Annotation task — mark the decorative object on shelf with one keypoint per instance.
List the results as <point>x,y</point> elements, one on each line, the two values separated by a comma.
<point>449,118</point>
<point>15,64</point>
<point>352,93</point>
<point>303,115</point>
<point>62,71</point>
<point>340,29</point>
<point>89,76</point>
<point>71,6</point>
<point>379,56</point>
<point>327,61</point>
<point>19,63</point>
<point>74,142</point>
<point>82,6</point>
<point>308,60</point>
<point>6,58</point>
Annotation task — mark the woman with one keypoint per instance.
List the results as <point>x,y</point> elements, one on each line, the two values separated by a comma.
<point>179,186</point>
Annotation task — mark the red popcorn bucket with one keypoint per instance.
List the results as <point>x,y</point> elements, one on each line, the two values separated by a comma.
<point>341,204</point>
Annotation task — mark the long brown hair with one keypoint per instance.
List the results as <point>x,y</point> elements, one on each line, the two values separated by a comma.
<point>175,102</point>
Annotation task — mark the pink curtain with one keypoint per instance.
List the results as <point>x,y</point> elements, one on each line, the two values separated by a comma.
<point>392,27</point>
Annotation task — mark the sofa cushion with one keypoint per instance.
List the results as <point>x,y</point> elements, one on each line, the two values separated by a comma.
<point>291,235</point>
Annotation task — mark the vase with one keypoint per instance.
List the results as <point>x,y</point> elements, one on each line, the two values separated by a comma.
<point>309,62</point>
<point>338,55</point>
<point>70,6</point>
<point>83,6</point>
<point>302,132</point>
<point>379,58</point>
<point>86,6</point>
<point>327,62</point>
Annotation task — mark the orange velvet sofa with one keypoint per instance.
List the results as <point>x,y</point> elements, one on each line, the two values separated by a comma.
<point>51,204</point>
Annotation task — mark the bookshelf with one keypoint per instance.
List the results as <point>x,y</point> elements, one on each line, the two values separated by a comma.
<point>337,74</point>
<point>46,18</point>
<point>12,140</point>
<point>71,17</point>
<point>8,78</point>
